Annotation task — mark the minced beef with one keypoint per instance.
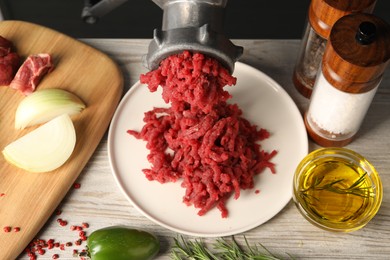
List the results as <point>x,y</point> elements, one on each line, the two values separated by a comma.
<point>200,138</point>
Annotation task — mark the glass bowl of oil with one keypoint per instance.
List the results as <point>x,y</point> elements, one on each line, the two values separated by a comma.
<point>337,189</point>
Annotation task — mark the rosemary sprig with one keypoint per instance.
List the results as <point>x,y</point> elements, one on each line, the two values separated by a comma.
<point>192,250</point>
<point>223,250</point>
<point>354,189</point>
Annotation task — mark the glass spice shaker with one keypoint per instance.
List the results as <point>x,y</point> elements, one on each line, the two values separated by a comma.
<point>321,17</point>
<point>355,57</point>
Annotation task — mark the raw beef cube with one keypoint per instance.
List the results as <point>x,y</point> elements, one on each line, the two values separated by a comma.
<point>9,62</point>
<point>31,72</point>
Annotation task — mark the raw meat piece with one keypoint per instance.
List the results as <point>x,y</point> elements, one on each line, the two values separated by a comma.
<point>5,46</point>
<point>31,72</point>
<point>9,62</point>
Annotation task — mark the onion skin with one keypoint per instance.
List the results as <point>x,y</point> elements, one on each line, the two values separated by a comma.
<point>44,105</point>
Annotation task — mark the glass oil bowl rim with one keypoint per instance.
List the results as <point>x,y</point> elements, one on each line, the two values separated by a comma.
<point>356,158</point>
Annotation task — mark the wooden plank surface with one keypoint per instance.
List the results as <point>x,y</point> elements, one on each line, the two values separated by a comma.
<point>101,203</point>
<point>30,198</point>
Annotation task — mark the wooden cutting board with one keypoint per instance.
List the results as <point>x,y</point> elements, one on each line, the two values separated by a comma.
<point>29,199</point>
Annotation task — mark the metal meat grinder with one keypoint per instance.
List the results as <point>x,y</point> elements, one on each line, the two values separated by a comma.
<point>193,25</point>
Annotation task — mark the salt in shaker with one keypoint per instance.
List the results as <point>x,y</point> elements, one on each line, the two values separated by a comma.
<point>355,57</point>
<point>321,17</point>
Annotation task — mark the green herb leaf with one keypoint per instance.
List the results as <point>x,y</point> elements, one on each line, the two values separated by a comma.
<point>222,250</point>
<point>354,189</point>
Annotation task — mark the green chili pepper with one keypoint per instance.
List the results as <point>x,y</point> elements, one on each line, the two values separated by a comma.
<point>122,243</point>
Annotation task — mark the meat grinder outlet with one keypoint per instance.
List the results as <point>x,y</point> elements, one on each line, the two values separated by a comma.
<point>193,25</point>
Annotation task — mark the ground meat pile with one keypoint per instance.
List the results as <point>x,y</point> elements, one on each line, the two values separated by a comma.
<point>200,138</point>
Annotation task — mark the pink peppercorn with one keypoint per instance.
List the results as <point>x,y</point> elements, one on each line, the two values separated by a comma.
<point>85,225</point>
<point>7,229</point>
<point>62,222</point>
<point>41,251</point>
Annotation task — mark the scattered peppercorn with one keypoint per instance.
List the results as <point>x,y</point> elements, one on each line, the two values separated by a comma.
<point>7,229</point>
<point>62,222</point>
<point>40,246</point>
<point>85,225</point>
<point>41,251</point>
<point>76,185</point>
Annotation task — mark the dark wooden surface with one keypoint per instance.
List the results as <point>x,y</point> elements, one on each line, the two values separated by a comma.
<point>245,19</point>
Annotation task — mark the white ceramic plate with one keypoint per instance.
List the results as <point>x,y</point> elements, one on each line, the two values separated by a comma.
<point>265,104</point>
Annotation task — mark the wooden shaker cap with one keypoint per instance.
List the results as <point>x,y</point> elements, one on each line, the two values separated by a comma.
<point>324,13</point>
<point>351,65</point>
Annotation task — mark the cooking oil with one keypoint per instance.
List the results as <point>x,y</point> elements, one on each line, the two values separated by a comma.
<point>337,189</point>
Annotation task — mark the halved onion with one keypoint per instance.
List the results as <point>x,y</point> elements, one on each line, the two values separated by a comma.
<point>45,148</point>
<point>46,104</point>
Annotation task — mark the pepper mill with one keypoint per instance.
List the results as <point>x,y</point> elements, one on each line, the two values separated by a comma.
<point>321,17</point>
<point>355,58</point>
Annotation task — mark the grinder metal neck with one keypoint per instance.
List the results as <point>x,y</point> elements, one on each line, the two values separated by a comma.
<point>194,25</point>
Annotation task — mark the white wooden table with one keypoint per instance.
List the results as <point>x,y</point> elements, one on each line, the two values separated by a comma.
<point>100,202</point>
